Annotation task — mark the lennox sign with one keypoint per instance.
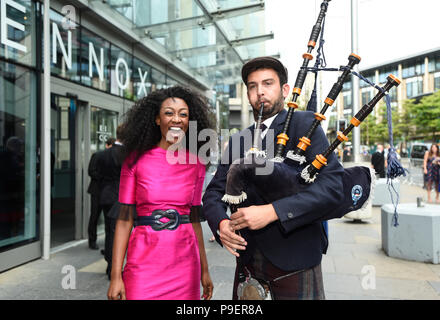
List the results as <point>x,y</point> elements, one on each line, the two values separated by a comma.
<point>121,66</point>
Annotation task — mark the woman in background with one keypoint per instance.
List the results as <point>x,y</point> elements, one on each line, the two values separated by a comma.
<point>431,164</point>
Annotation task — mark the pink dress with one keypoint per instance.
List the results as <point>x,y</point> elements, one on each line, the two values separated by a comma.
<point>162,265</point>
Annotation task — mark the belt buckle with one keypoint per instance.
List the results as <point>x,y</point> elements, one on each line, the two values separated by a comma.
<point>171,214</point>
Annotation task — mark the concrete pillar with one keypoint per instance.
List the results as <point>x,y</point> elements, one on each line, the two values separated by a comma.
<point>426,77</point>
<point>400,95</point>
<point>244,106</point>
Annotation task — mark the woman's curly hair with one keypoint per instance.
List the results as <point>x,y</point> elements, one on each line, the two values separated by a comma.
<point>140,132</point>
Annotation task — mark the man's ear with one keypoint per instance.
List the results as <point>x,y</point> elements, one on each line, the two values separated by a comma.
<point>286,90</point>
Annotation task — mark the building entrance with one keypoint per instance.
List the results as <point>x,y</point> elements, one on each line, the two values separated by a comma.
<point>67,150</point>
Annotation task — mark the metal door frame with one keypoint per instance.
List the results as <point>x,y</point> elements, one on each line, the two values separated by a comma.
<point>85,98</point>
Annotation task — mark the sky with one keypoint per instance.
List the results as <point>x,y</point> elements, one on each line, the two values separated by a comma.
<point>387,30</point>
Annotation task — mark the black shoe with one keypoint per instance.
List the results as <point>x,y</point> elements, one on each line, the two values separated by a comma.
<point>103,252</point>
<point>93,246</point>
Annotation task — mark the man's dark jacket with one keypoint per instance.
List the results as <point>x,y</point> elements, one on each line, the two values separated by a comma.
<point>110,163</point>
<point>378,162</point>
<point>93,171</point>
<point>297,240</point>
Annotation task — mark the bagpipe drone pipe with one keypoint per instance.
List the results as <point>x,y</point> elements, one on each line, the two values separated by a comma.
<point>289,177</point>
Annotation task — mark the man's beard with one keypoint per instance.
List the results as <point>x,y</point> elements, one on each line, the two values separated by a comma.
<point>274,109</point>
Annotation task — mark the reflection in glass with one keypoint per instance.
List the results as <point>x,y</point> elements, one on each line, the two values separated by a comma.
<point>20,45</point>
<point>141,79</point>
<point>94,61</point>
<point>18,156</point>
<point>67,60</point>
<point>437,81</point>
<point>158,80</point>
<point>103,125</point>
<point>120,70</point>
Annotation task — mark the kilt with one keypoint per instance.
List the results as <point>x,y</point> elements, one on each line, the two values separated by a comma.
<point>284,285</point>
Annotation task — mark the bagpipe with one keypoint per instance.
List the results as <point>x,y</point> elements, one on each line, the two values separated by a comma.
<point>291,173</point>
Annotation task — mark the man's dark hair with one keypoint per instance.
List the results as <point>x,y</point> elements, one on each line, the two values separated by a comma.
<point>119,131</point>
<point>110,141</point>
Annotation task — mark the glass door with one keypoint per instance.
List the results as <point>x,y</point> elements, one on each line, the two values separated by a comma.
<point>63,164</point>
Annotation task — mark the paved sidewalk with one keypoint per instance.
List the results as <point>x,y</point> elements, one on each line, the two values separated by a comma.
<point>353,246</point>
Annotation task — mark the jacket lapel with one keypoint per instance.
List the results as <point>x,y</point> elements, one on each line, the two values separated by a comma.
<point>277,127</point>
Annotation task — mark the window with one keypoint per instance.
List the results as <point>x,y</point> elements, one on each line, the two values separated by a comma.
<point>393,94</point>
<point>385,72</point>
<point>437,81</point>
<point>141,79</point>
<point>171,82</point>
<point>369,77</point>
<point>103,125</point>
<point>94,60</point>
<point>158,80</point>
<point>348,104</point>
<point>414,87</point>
<point>20,45</point>
<point>66,63</point>
<point>120,69</point>
<point>434,63</point>
<point>18,156</point>
<point>413,69</point>
<point>367,95</point>
<point>346,86</point>
<point>232,91</point>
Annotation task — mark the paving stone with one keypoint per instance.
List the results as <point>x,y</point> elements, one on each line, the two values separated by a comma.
<point>435,285</point>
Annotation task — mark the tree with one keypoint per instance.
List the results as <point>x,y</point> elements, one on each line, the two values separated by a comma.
<point>425,115</point>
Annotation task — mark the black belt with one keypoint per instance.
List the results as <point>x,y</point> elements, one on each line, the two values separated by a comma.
<point>176,219</point>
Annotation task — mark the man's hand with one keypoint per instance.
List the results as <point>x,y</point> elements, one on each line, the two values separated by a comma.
<point>230,240</point>
<point>253,217</point>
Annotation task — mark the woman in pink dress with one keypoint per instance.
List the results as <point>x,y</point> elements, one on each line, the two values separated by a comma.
<point>160,195</point>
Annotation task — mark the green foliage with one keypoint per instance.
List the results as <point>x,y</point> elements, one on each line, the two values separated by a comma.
<point>375,129</point>
<point>425,115</point>
<point>415,119</point>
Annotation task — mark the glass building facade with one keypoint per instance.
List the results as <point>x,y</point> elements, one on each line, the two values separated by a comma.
<point>103,58</point>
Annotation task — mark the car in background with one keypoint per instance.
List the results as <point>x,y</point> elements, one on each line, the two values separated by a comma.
<point>418,152</point>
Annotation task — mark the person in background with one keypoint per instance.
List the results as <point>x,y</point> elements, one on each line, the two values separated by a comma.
<point>431,164</point>
<point>94,191</point>
<point>378,161</point>
<point>109,165</point>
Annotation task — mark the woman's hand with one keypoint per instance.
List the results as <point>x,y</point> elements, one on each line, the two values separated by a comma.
<point>116,291</point>
<point>207,285</point>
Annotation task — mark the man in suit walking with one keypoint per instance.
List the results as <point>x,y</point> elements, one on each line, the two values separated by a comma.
<point>378,161</point>
<point>282,242</point>
<point>110,164</point>
<point>94,191</point>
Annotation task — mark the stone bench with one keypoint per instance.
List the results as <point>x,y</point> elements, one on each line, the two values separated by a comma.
<point>417,237</point>
<point>382,194</point>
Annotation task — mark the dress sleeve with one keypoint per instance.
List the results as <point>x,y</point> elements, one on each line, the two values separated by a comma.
<point>125,208</point>
<point>196,214</point>
<point>127,183</point>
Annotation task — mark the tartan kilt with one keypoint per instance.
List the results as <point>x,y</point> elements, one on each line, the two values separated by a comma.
<point>285,285</point>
